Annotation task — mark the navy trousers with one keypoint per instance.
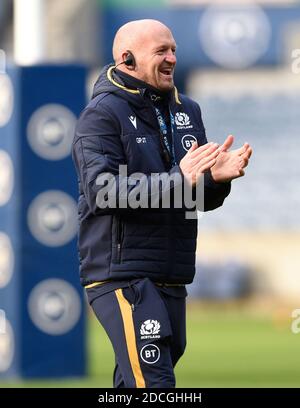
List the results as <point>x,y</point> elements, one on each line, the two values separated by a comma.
<point>146,325</point>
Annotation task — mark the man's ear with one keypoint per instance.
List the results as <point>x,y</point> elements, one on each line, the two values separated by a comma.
<point>129,60</point>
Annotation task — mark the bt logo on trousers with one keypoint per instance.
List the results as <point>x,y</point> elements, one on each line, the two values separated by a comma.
<point>150,354</point>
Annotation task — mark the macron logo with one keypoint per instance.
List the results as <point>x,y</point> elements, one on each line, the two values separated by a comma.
<point>132,120</point>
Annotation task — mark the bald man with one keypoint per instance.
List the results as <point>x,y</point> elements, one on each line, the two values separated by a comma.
<point>137,254</point>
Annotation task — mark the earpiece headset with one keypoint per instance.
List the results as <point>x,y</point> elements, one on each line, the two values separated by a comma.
<point>129,61</point>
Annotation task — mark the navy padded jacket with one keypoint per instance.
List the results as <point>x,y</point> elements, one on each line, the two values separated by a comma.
<point>119,126</point>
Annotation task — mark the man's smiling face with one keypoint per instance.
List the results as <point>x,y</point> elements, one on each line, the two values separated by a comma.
<point>156,60</point>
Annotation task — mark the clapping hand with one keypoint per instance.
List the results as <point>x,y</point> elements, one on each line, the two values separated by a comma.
<point>230,164</point>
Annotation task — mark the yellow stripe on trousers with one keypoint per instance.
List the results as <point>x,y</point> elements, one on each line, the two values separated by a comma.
<point>126,312</point>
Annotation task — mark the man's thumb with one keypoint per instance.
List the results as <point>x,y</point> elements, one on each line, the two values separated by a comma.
<point>227,144</point>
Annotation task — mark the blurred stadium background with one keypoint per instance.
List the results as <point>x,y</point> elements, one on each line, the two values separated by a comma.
<point>239,61</point>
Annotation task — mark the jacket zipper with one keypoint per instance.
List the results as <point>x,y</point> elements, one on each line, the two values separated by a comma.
<point>119,240</point>
<point>119,253</point>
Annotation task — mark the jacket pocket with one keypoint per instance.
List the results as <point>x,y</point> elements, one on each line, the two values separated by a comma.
<point>119,233</point>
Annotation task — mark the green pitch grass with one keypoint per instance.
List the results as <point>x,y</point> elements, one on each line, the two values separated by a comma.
<point>226,348</point>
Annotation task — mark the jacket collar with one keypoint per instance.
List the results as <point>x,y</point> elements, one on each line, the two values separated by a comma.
<point>139,87</point>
